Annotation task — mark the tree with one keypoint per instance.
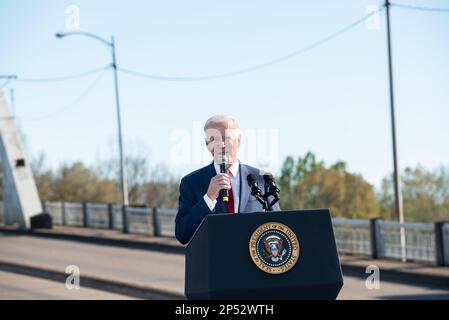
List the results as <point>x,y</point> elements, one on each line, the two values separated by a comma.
<point>79,183</point>
<point>292,173</point>
<point>43,177</point>
<point>137,167</point>
<point>162,190</point>
<point>425,194</point>
<point>309,184</point>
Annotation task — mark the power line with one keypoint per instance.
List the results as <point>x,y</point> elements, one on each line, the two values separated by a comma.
<point>8,78</point>
<point>63,78</point>
<point>419,8</point>
<point>70,105</point>
<point>232,73</point>
<point>256,67</point>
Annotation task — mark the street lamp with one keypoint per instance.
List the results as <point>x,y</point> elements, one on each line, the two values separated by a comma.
<point>123,182</point>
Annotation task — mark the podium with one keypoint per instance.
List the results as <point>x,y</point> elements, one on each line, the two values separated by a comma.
<point>264,255</point>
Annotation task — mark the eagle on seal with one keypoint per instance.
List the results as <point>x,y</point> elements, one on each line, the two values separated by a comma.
<point>274,247</point>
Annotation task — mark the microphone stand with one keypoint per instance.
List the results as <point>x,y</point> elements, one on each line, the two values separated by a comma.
<point>270,192</point>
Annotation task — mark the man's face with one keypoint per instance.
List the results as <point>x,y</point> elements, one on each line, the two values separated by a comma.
<point>222,138</point>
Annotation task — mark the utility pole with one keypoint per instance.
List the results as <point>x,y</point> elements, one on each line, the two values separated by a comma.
<point>111,45</point>
<point>123,179</point>
<point>396,177</point>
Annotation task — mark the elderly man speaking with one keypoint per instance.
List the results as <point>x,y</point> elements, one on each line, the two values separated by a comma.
<point>200,190</point>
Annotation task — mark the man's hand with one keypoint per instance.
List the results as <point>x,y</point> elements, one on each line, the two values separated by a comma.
<point>220,181</point>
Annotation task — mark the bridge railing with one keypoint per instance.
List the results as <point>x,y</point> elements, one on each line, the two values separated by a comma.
<point>352,236</point>
<point>445,243</point>
<point>376,238</point>
<point>419,241</point>
<point>97,215</point>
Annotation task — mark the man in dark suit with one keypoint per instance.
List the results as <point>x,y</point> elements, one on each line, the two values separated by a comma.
<point>199,190</point>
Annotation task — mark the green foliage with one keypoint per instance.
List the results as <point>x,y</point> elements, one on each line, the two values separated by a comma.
<point>425,194</point>
<point>77,183</point>
<point>304,183</point>
<point>308,183</point>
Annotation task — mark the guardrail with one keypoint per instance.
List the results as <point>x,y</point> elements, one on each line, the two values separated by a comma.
<point>352,236</point>
<point>425,242</point>
<point>139,220</point>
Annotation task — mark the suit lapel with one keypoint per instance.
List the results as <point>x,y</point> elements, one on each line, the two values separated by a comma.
<point>244,189</point>
<point>210,173</point>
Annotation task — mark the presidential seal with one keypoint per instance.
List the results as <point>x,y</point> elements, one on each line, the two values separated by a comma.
<point>274,248</point>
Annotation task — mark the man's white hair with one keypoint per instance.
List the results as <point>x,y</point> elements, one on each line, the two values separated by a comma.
<point>222,118</point>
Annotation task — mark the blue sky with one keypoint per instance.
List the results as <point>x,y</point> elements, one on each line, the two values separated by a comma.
<point>332,100</point>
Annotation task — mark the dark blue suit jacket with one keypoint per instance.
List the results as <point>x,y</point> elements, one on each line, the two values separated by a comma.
<point>193,208</point>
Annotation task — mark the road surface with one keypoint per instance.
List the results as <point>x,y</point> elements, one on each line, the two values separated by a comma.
<point>20,287</point>
<point>136,267</point>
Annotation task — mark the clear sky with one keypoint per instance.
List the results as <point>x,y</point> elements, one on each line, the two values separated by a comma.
<point>332,100</point>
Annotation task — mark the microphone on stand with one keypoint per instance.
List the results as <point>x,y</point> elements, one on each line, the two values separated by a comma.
<point>271,186</point>
<point>255,190</point>
<point>271,189</point>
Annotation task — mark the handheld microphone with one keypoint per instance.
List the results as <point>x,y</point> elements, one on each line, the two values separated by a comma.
<point>224,192</point>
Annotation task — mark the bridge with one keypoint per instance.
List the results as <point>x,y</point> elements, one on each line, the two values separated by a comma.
<point>140,259</point>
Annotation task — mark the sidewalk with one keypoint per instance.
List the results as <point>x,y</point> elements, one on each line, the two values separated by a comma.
<point>419,273</point>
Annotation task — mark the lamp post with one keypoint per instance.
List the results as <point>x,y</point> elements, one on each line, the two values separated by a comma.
<point>111,45</point>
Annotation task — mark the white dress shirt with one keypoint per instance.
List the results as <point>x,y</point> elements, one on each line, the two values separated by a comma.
<point>235,183</point>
